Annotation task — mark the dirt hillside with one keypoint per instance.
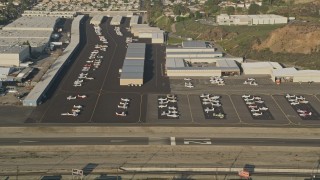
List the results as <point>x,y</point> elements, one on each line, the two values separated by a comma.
<point>294,38</point>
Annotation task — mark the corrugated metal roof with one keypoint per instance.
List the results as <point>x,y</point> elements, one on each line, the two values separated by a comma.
<point>179,62</point>
<point>284,72</point>
<point>140,55</point>
<point>133,62</point>
<point>227,63</point>
<point>5,70</point>
<point>137,45</point>
<point>194,44</point>
<point>271,65</point>
<point>131,75</point>
<point>129,69</point>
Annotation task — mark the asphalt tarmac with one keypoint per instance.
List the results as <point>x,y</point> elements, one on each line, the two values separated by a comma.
<point>173,141</point>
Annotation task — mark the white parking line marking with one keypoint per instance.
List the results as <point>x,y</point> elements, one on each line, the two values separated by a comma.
<point>172,141</point>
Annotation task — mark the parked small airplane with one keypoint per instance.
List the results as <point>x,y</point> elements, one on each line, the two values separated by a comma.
<point>75,110</point>
<point>257,114</point>
<point>253,83</point>
<point>122,106</point>
<point>248,99</point>
<point>206,103</point>
<point>204,95</point>
<point>173,112</point>
<point>189,86</point>
<point>125,99</point>
<point>121,114</point>
<point>215,97</point>
<point>216,104</point>
<point>171,96</point>
<point>69,114</point>
<point>290,96</point>
<point>163,106</point>
<point>172,100</point>
<point>302,111</point>
<point>173,115</point>
<point>172,108</point>
<point>77,85</point>
<point>257,98</point>
<point>207,110</point>
<point>219,115</point>
<point>294,103</point>
<point>250,102</point>
<point>305,114</point>
<point>304,102</point>
<point>259,101</point>
<point>81,96</point>
<point>246,96</point>
<point>77,106</point>
<point>263,108</point>
<point>187,79</point>
<point>71,97</point>
<point>162,99</point>
<point>124,103</point>
<point>89,78</point>
<point>252,106</point>
<point>300,98</point>
<point>254,110</point>
<point>251,79</point>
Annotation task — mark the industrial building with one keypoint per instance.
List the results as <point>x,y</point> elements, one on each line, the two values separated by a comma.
<point>198,58</point>
<point>4,73</point>
<point>60,14</point>
<point>13,55</point>
<point>116,20</point>
<point>134,20</point>
<point>96,20</point>
<point>132,70</point>
<point>38,93</point>
<point>145,31</point>
<point>225,19</point>
<point>33,23</point>
<point>260,68</point>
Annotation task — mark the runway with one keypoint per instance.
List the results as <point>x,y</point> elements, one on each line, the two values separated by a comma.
<point>173,141</point>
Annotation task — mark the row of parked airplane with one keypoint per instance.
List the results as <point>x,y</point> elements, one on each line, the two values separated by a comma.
<point>74,111</point>
<point>255,104</point>
<point>217,80</point>
<point>214,102</point>
<point>117,29</point>
<point>76,97</point>
<point>295,100</point>
<point>123,104</point>
<point>169,111</point>
<point>251,81</point>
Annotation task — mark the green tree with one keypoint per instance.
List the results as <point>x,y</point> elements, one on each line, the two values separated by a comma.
<point>239,10</point>
<point>197,15</point>
<point>254,9</point>
<point>230,10</point>
<point>263,9</point>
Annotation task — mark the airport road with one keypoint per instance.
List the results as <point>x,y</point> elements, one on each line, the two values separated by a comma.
<point>157,141</point>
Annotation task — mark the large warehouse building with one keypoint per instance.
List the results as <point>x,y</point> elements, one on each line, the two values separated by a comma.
<point>198,58</point>
<point>13,55</point>
<point>133,66</point>
<point>260,68</point>
<point>145,31</point>
<point>33,31</point>
<point>225,19</point>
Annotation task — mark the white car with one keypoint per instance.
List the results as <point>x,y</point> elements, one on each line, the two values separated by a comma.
<point>71,97</point>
